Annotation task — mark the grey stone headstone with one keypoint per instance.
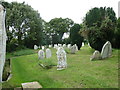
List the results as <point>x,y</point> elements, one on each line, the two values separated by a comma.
<point>62,60</point>
<point>48,53</point>
<point>106,50</point>
<point>41,54</point>
<point>96,55</point>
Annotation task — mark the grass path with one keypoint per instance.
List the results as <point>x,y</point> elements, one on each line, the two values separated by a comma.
<point>81,72</point>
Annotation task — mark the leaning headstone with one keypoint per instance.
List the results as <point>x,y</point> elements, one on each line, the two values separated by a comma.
<point>48,53</point>
<point>3,38</point>
<point>106,50</point>
<point>35,47</point>
<point>62,60</point>
<point>73,49</point>
<point>96,55</point>
<point>41,54</point>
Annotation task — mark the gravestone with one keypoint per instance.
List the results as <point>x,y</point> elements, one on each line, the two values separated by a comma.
<point>59,45</point>
<point>83,44</point>
<point>48,53</point>
<point>69,46</point>
<point>106,50</point>
<point>62,61</point>
<point>50,46</point>
<point>96,55</point>
<point>3,38</point>
<point>73,49</point>
<point>64,45</point>
<point>43,47</point>
<point>35,47</point>
<point>31,85</point>
<point>76,47</point>
<point>41,54</point>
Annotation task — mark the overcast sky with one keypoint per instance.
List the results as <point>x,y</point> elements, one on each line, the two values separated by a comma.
<point>73,9</point>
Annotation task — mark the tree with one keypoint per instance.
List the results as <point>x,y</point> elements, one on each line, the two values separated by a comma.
<point>100,24</point>
<point>75,37</point>
<point>59,26</point>
<point>23,23</point>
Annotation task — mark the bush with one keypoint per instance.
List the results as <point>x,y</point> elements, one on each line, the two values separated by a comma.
<point>96,39</point>
<point>75,37</point>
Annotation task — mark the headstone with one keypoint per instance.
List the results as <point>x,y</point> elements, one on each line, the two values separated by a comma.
<point>55,46</point>
<point>48,53</point>
<point>76,47</point>
<point>69,46</point>
<point>43,47</point>
<point>62,61</point>
<point>73,49</point>
<point>64,45</point>
<point>3,38</point>
<point>83,44</point>
<point>31,85</point>
<point>50,46</point>
<point>88,44</point>
<point>106,50</point>
<point>35,47</point>
<point>59,45</point>
<point>41,54</point>
<point>96,55</point>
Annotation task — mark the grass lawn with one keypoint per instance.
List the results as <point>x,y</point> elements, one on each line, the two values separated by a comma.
<point>81,72</point>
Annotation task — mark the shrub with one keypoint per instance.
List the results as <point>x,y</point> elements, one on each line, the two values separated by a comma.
<point>96,39</point>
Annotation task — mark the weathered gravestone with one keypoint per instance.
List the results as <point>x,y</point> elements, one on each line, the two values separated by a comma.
<point>96,55</point>
<point>73,49</point>
<point>106,50</point>
<point>43,47</point>
<point>83,44</point>
<point>3,38</point>
<point>48,53</point>
<point>35,47</point>
<point>62,61</point>
<point>76,47</point>
<point>50,46</point>
<point>41,54</point>
<point>64,45</point>
<point>69,46</point>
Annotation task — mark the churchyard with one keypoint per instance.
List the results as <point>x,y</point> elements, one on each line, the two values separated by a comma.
<point>80,72</point>
<point>59,53</point>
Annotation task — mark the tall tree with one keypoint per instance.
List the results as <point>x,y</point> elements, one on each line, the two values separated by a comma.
<point>75,37</point>
<point>23,23</point>
<point>59,26</point>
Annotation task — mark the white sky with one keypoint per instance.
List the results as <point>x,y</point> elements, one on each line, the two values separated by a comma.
<point>73,9</point>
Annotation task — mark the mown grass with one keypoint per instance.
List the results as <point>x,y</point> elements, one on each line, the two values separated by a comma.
<point>81,72</point>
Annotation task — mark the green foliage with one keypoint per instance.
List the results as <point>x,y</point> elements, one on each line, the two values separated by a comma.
<point>97,15</point>
<point>101,25</point>
<point>116,38</point>
<point>96,38</point>
<point>23,52</point>
<point>75,36</point>
<point>58,26</point>
<point>23,23</point>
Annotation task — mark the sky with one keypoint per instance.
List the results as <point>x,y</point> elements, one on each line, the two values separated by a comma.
<point>73,9</point>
